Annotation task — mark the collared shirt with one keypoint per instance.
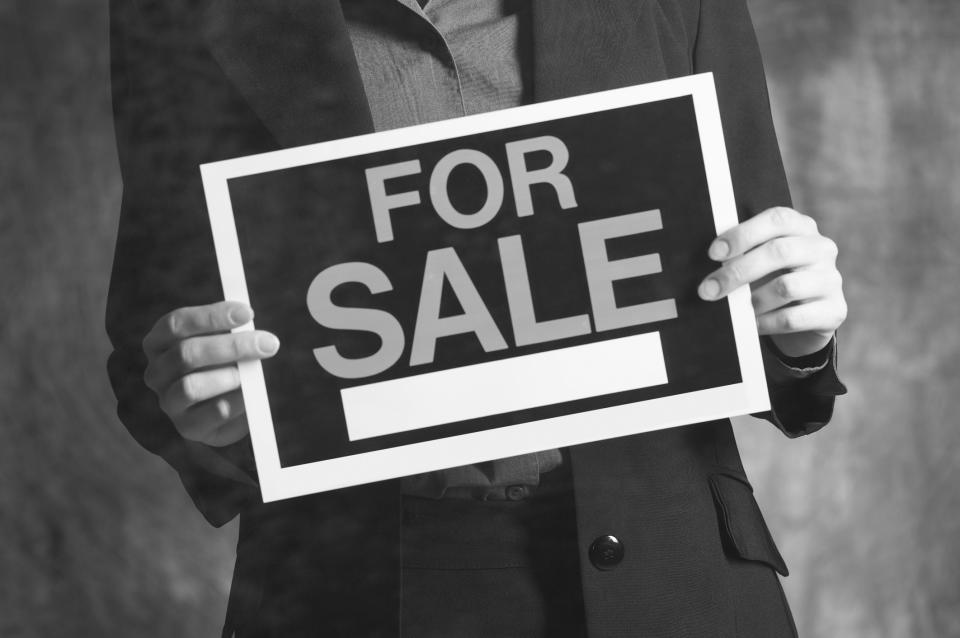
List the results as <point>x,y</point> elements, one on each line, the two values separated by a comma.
<point>447,59</point>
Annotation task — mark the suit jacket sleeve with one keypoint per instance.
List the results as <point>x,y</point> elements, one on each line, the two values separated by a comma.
<point>164,256</point>
<point>726,45</point>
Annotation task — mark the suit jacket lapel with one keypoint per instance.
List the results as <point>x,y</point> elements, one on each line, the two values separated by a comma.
<point>581,47</point>
<point>293,63</point>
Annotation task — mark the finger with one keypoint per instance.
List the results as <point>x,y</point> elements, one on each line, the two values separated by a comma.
<point>770,224</point>
<point>192,321</point>
<point>197,387</point>
<point>228,433</point>
<point>822,315</point>
<point>794,286</point>
<point>201,421</point>
<point>777,254</point>
<point>197,353</point>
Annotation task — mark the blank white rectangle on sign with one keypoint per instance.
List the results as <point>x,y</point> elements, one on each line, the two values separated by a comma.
<point>508,385</point>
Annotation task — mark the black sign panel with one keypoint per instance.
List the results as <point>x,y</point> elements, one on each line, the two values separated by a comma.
<point>486,286</point>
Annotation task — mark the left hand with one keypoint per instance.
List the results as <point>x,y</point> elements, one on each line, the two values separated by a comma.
<point>792,270</point>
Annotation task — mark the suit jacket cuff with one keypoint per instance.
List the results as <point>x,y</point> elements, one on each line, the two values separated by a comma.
<point>221,481</point>
<point>802,389</point>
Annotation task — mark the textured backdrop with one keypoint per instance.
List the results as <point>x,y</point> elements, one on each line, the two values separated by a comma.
<point>97,537</point>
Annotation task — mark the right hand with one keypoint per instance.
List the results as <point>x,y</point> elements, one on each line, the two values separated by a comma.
<point>191,366</point>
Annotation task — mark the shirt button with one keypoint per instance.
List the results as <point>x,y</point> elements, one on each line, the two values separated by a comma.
<point>517,492</point>
<point>606,552</point>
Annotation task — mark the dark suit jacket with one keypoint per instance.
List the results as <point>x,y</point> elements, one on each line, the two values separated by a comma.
<point>203,80</point>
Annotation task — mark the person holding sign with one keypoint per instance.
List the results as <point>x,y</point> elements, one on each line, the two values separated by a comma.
<point>655,534</point>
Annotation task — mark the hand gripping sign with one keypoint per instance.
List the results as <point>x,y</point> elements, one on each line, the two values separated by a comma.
<point>483,287</point>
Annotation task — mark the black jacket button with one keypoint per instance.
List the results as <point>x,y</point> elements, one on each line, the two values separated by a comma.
<point>606,552</point>
<point>517,492</point>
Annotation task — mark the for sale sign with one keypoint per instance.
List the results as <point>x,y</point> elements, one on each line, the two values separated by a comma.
<point>484,287</point>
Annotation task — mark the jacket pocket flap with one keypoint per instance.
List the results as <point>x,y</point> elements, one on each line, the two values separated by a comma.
<point>741,523</point>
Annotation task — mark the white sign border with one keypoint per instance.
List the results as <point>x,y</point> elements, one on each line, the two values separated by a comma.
<point>748,396</point>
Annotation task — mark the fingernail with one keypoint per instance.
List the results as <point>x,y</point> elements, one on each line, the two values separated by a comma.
<point>709,289</point>
<point>267,343</point>
<point>240,315</point>
<point>719,249</point>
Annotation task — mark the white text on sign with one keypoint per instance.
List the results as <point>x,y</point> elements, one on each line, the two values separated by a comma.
<point>445,266</point>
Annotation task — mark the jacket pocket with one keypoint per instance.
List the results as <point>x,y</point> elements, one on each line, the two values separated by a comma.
<point>744,532</point>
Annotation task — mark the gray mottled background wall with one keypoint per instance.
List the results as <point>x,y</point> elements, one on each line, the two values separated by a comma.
<point>97,538</point>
